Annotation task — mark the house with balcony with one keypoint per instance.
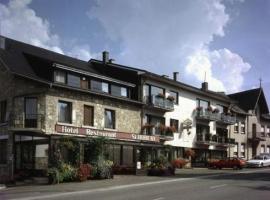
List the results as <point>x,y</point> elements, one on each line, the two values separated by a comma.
<point>46,96</point>
<point>257,126</point>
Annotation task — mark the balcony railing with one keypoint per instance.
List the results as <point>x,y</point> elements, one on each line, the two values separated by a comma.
<point>159,102</point>
<point>26,121</point>
<point>212,116</point>
<point>214,140</point>
<point>165,135</point>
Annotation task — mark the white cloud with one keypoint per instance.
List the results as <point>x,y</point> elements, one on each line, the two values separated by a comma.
<point>82,52</point>
<point>171,36</point>
<point>228,67</point>
<point>20,22</point>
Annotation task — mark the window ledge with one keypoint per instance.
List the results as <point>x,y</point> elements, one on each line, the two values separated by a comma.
<point>109,129</point>
<point>92,127</point>
<point>64,124</point>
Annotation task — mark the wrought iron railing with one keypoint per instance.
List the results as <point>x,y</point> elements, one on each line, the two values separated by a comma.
<point>159,102</point>
<point>26,121</point>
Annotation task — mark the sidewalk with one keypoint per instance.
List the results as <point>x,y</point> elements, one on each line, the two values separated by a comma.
<point>24,191</point>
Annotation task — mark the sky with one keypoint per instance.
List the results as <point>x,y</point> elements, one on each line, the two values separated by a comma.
<point>225,42</point>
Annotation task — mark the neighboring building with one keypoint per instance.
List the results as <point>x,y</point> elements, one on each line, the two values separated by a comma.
<point>197,117</point>
<point>257,124</point>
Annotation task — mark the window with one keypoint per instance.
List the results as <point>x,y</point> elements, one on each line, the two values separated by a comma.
<point>236,127</point>
<point>157,122</point>
<point>174,123</point>
<point>31,115</point>
<point>3,111</point>
<point>268,131</point>
<point>88,115</point>
<point>268,149</point>
<point>119,91</point>
<point>243,128</point>
<point>60,76</point>
<point>235,150</point>
<point>3,152</point>
<point>262,131</point>
<point>109,119</point>
<point>220,108</point>
<point>156,90</point>
<point>243,150</point>
<point>74,81</point>
<point>64,112</point>
<point>99,86</point>
<point>262,148</point>
<point>174,95</point>
<point>202,103</point>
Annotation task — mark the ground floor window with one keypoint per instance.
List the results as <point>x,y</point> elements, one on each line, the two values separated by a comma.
<point>3,151</point>
<point>268,149</point>
<point>31,154</point>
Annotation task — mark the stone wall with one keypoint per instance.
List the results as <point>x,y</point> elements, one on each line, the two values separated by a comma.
<point>127,116</point>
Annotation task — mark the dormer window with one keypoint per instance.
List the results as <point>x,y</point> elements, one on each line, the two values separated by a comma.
<point>60,76</point>
<point>119,91</point>
<point>73,80</point>
<point>99,86</point>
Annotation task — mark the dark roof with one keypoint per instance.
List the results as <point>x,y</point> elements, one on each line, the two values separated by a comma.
<point>217,95</point>
<point>248,99</point>
<point>19,58</point>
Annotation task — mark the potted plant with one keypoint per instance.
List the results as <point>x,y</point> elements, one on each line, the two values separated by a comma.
<point>216,110</point>
<point>161,95</point>
<point>209,109</point>
<point>170,98</point>
<point>190,154</point>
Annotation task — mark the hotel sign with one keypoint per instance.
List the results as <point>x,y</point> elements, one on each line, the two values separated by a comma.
<point>104,133</point>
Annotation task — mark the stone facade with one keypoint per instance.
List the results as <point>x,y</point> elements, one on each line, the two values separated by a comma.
<point>128,117</point>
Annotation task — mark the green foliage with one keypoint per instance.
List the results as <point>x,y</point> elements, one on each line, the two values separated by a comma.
<point>65,173</point>
<point>94,149</point>
<point>103,169</point>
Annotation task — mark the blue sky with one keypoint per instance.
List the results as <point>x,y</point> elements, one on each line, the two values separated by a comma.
<point>226,40</point>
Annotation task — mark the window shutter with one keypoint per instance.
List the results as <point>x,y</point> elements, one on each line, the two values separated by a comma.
<point>88,115</point>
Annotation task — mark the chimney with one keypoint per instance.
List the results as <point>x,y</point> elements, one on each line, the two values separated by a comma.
<point>175,76</point>
<point>105,57</point>
<point>204,86</point>
<point>2,43</point>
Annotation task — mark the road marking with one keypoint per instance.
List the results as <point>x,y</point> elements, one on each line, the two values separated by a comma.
<point>217,186</point>
<point>50,196</point>
<point>160,198</point>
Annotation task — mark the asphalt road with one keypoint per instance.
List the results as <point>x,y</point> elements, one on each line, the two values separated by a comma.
<point>243,185</point>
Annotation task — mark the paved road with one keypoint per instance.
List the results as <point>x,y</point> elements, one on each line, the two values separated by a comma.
<point>246,185</point>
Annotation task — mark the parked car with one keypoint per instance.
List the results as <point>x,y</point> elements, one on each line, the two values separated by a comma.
<point>259,161</point>
<point>235,163</point>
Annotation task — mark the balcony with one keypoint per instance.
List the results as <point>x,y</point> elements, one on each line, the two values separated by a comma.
<point>213,116</point>
<point>256,136</point>
<point>159,103</point>
<point>209,139</point>
<point>164,133</point>
<point>34,122</point>
<point>227,119</point>
<point>207,115</point>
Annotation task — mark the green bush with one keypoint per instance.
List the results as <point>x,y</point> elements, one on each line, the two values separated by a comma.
<point>103,169</point>
<point>64,173</point>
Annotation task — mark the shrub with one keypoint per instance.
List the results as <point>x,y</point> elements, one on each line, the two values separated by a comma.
<point>67,172</point>
<point>104,169</point>
<point>178,163</point>
<point>84,172</point>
